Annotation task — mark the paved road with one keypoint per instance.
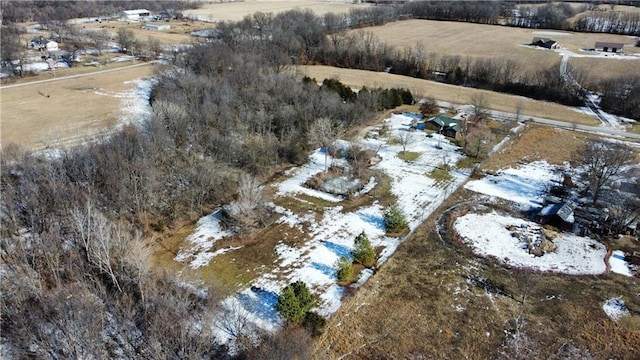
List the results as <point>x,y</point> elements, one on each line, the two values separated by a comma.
<point>77,76</point>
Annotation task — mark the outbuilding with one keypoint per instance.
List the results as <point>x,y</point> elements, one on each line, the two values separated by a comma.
<point>157,27</point>
<point>135,15</point>
<point>609,47</point>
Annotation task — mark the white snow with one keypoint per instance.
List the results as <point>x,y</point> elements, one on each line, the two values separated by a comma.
<point>551,33</point>
<point>488,235</point>
<point>618,264</point>
<point>207,233</point>
<point>523,185</point>
<point>135,104</point>
<point>332,236</point>
<point>615,308</point>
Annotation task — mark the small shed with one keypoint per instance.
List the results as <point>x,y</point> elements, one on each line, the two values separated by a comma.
<point>157,27</point>
<point>445,125</point>
<point>609,47</point>
<point>545,43</point>
<point>51,45</point>
<point>559,215</point>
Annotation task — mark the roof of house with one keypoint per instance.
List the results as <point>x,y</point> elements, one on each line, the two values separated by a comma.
<point>609,44</point>
<point>446,122</point>
<point>563,210</point>
<point>136,12</point>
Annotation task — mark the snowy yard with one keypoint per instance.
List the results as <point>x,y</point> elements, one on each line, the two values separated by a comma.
<point>488,235</point>
<point>332,236</point>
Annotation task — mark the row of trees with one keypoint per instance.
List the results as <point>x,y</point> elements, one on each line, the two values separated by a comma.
<point>19,11</point>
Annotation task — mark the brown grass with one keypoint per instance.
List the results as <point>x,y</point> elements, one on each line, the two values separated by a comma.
<point>478,40</point>
<point>420,305</point>
<point>179,33</point>
<point>39,115</point>
<point>235,11</point>
<point>597,69</point>
<point>446,92</point>
<point>538,143</point>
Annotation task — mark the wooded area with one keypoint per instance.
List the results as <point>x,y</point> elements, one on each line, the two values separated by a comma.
<point>72,225</point>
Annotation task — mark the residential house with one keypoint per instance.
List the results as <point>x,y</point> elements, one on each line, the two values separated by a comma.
<point>609,47</point>
<point>545,43</point>
<point>444,125</point>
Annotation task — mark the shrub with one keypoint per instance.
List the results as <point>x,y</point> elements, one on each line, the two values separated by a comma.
<point>394,220</point>
<point>363,252</point>
<point>345,269</point>
<point>314,323</point>
<point>295,301</point>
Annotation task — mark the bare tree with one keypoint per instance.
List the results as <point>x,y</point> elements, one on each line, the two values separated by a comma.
<point>519,109</point>
<point>429,107</point>
<point>479,107</point>
<point>479,141</point>
<point>98,39</point>
<point>324,132</point>
<point>602,161</point>
<point>405,138</point>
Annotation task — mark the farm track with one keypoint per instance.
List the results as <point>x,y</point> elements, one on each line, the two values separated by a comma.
<point>77,75</point>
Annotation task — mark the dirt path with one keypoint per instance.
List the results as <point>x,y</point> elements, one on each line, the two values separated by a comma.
<point>94,73</point>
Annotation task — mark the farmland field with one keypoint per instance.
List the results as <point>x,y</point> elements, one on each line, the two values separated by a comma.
<point>38,115</point>
<point>235,11</point>
<point>446,92</point>
<point>477,41</point>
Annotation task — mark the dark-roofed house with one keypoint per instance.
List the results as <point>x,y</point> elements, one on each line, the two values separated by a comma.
<point>545,43</point>
<point>444,125</point>
<point>559,215</point>
<point>609,47</point>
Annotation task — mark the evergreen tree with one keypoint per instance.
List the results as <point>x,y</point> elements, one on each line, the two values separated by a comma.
<point>295,301</point>
<point>345,269</point>
<point>394,220</point>
<point>363,252</point>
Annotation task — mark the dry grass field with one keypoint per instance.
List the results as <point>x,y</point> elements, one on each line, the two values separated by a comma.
<point>421,303</point>
<point>466,39</point>
<point>38,114</point>
<point>179,33</point>
<point>446,92</point>
<point>235,11</point>
<point>477,40</point>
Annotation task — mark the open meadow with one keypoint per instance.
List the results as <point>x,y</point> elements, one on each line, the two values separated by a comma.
<point>446,92</point>
<point>69,108</point>
<point>237,10</point>
<point>501,42</point>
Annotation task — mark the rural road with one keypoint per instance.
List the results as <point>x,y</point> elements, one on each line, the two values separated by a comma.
<point>77,76</point>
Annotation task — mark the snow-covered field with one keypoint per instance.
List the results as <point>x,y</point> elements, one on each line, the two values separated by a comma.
<point>488,235</point>
<point>523,185</point>
<point>332,236</point>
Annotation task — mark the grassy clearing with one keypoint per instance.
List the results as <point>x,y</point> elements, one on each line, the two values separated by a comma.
<point>42,114</point>
<point>445,92</point>
<point>441,176</point>
<point>409,156</point>
<point>537,143</point>
<point>478,40</point>
<point>237,10</point>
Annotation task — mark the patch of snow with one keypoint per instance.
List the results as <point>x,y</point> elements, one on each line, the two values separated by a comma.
<point>615,308</point>
<point>135,104</point>
<point>207,233</point>
<point>524,185</point>
<point>551,33</point>
<point>618,264</point>
<point>488,235</point>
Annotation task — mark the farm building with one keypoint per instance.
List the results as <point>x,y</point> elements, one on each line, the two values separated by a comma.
<point>157,27</point>
<point>43,44</point>
<point>559,215</point>
<point>609,47</point>
<point>545,43</point>
<point>135,15</point>
<point>445,125</point>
